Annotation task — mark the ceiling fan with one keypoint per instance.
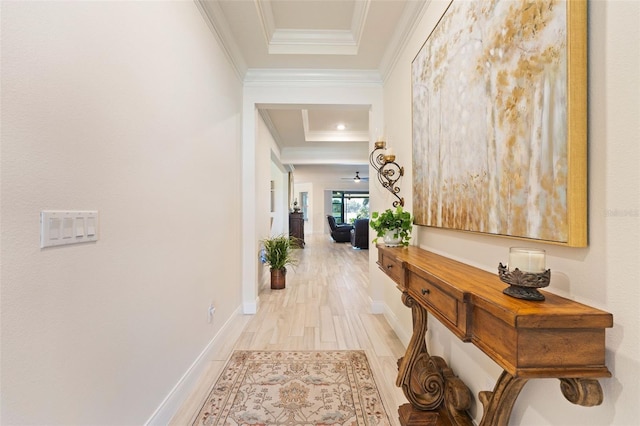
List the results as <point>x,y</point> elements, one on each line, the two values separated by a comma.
<point>357,178</point>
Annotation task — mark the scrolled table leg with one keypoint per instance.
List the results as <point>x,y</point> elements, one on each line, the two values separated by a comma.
<point>585,392</point>
<point>427,382</point>
<point>457,399</point>
<point>498,403</point>
<point>422,384</point>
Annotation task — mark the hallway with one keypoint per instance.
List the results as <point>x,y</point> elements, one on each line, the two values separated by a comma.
<point>324,306</point>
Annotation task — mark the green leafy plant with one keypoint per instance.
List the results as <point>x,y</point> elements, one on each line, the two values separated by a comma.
<point>398,220</point>
<point>278,251</point>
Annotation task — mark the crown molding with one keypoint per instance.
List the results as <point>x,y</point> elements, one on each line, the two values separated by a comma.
<point>325,155</point>
<point>266,117</point>
<point>336,136</point>
<point>265,14</point>
<point>312,42</point>
<point>360,11</point>
<point>215,20</point>
<point>409,20</point>
<point>311,77</point>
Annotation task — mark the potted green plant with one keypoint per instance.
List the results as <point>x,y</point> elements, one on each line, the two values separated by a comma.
<point>278,254</point>
<point>393,225</point>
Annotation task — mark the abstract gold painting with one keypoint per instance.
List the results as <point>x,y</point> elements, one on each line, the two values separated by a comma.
<point>499,120</point>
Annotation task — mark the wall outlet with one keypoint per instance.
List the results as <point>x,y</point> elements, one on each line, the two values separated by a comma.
<point>210,311</point>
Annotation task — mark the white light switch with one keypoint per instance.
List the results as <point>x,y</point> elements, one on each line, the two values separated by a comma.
<point>67,227</point>
<point>80,227</point>
<point>91,226</point>
<point>54,228</point>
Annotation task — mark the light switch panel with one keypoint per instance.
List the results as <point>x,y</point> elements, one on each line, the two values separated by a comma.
<point>61,227</point>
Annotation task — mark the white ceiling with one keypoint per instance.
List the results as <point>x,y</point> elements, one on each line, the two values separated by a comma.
<point>315,36</point>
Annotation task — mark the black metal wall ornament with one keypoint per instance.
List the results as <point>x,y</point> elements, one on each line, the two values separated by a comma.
<point>387,170</point>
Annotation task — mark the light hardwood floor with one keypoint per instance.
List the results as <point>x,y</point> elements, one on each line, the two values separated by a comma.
<point>325,305</point>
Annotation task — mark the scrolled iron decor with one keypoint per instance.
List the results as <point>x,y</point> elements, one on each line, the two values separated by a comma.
<point>388,171</point>
<point>524,285</point>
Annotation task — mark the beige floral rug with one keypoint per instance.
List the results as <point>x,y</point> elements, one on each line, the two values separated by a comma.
<point>294,388</point>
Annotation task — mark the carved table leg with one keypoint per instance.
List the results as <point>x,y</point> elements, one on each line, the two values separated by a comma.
<point>499,403</point>
<point>427,381</point>
<point>585,392</point>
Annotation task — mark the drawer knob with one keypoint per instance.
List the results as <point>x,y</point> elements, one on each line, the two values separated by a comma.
<point>425,291</point>
<point>389,266</point>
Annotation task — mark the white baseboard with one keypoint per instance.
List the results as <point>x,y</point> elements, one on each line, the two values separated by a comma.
<point>176,397</point>
<point>403,334</point>
<point>250,308</point>
<point>380,307</point>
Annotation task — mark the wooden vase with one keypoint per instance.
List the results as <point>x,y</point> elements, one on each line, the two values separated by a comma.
<point>278,277</point>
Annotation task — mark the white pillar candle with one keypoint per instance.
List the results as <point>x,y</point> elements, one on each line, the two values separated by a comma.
<point>389,152</point>
<point>526,259</point>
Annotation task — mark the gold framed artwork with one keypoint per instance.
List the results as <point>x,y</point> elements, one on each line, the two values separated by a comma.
<point>499,92</point>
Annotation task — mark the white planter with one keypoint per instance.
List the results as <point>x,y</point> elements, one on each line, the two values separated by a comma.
<point>392,238</point>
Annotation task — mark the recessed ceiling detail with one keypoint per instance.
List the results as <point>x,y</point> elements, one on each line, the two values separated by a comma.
<point>328,135</point>
<point>314,44</point>
<point>293,41</point>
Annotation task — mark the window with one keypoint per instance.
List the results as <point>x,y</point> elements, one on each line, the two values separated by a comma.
<point>347,206</point>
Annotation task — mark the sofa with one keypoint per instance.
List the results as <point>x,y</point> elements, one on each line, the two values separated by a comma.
<point>339,233</point>
<point>360,234</point>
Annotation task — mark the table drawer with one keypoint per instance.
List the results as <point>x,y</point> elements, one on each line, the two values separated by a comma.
<point>438,301</point>
<point>393,268</point>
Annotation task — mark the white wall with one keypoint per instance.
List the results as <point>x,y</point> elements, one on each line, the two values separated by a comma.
<point>125,108</point>
<point>606,274</point>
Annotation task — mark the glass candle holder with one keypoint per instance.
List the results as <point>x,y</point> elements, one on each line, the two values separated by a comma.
<point>526,259</point>
<point>525,273</point>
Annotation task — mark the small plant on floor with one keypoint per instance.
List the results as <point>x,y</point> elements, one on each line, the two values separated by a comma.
<point>397,222</point>
<point>277,252</point>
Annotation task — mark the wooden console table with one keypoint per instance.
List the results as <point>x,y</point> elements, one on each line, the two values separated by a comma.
<point>554,338</point>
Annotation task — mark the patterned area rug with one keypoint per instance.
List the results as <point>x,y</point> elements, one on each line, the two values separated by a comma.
<point>294,388</point>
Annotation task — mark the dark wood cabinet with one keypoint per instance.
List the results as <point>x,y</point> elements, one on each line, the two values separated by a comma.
<point>296,227</point>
